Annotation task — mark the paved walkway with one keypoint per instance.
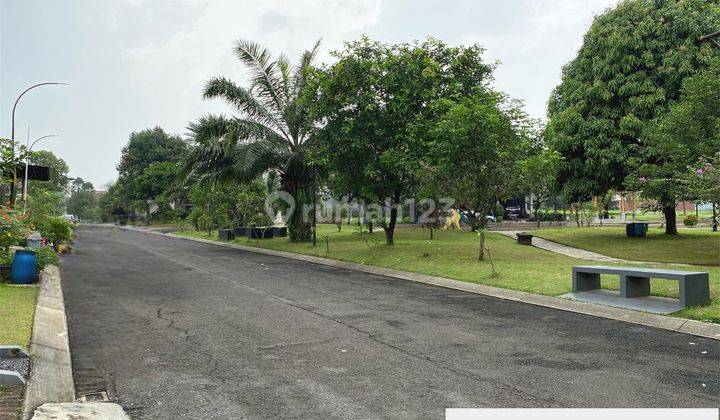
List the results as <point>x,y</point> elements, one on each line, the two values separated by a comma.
<point>568,250</point>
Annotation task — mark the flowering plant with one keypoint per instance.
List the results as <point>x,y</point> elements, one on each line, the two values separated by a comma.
<point>13,228</point>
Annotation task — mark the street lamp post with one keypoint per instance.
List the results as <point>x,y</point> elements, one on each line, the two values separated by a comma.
<point>12,131</point>
<point>314,215</point>
<point>27,163</point>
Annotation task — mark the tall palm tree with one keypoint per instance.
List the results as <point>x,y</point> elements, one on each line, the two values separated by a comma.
<point>269,133</point>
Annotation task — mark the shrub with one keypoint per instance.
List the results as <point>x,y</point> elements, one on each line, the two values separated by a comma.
<point>57,230</point>
<point>46,256</point>
<point>13,228</point>
<point>195,216</point>
<point>499,212</point>
<point>690,220</point>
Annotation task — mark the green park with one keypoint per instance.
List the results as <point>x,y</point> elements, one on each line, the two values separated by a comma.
<point>388,154</point>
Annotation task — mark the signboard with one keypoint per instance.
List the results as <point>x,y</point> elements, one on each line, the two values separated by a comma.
<point>35,172</point>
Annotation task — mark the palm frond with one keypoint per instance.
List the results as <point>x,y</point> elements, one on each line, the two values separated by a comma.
<point>285,72</point>
<point>297,116</point>
<point>242,99</point>
<point>264,75</point>
<point>209,127</point>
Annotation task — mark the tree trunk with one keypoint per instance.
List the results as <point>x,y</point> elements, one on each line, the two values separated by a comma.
<point>670,218</point>
<point>299,230</point>
<point>390,229</point>
<point>481,254</point>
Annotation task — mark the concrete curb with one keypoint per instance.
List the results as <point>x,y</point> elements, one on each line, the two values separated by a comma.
<point>74,411</point>
<point>687,326</point>
<point>51,377</point>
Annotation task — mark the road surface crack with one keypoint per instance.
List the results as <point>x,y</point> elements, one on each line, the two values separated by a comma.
<point>533,399</point>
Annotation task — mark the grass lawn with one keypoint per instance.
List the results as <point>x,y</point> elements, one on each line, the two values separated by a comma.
<point>691,246</point>
<point>17,308</point>
<point>454,255</point>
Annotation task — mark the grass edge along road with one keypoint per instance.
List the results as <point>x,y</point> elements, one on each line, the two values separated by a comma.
<point>454,255</point>
<point>17,310</point>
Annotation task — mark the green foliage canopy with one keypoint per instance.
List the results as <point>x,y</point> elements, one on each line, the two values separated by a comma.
<point>375,107</point>
<point>631,67</point>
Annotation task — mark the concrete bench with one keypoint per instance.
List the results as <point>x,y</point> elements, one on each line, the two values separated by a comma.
<point>635,282</point>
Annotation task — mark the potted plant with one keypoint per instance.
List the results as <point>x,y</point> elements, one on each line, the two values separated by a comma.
<point>226,234</point>
<point>258,232</point>
<point>524,238</point>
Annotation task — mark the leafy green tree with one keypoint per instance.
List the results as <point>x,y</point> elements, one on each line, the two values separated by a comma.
<point>703,180</point>
<point>630,68</point>
<point>11,156</point>
<point>150,150</point>
<point>269,132</point>
<point>373,104</point>
<point>154,183</point>
<point>147,147</point>
<point>84,205</point>
<point>79,184</point>
<point>228,205</point>
<point>58,172</point>
<point>537,177</point>
<point>113,205</point>
<point>44,203</point>
<point>689,132</point>
<point>477,149</point>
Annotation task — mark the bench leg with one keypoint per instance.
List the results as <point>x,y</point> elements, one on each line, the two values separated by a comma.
<point>585,281</point>
<point>695,290</point>
<point>631,286</point>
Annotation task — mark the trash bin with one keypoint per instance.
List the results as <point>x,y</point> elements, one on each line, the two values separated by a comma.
<point>226,234</point>
<point>524,238</point>
<point>23,266</point>
<point>636,229</point>
<point>34,240</point>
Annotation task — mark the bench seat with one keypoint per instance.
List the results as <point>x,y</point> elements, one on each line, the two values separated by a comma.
<point>635,281</point>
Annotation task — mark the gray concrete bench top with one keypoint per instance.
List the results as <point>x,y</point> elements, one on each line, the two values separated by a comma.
<point>648,272</point>
<point>635,281</point>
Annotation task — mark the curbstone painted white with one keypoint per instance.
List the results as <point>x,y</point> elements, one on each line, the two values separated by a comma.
<point>51,379</point>
<point>80,411</point>
<point>687,326</point>
<point>11,378</point>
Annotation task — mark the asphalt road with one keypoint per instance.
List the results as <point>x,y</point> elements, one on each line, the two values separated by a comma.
<point>173,328</point>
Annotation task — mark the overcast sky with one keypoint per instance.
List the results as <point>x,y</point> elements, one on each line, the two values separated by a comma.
<point>134,64</point>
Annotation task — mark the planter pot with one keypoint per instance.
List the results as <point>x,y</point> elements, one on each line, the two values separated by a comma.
<point>5,273</point>
<point>260,233</point>
<point>226,234</point>
<point>23,266</point>
<point>240,231</point>
<point>524,238</point>
<point>279,232</point>
<point>636,230</point>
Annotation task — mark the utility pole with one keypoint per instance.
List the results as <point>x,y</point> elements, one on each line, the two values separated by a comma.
<point>314,215</point>
<point>27,163</point>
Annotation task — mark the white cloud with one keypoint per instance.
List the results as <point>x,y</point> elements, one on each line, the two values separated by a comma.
<point>533,48</point>
<point>178,66</point>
